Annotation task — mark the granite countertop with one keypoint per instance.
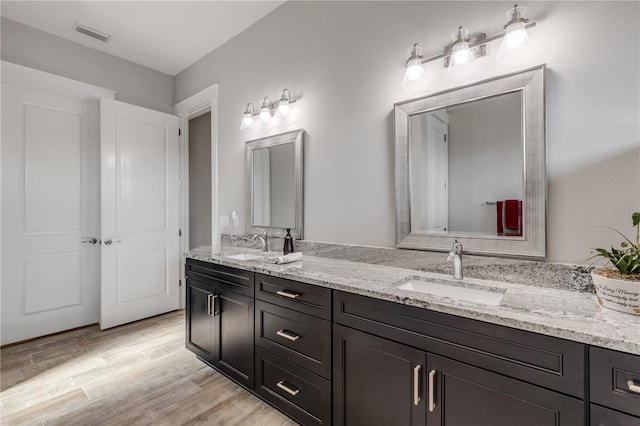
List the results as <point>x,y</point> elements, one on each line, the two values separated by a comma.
<point>541,298</point>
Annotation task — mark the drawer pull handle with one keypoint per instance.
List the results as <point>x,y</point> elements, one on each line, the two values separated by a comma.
<point>287,335</point>
<point>211,304</point>
<point>432,404</point>
<point>633,387</point>
<point>288,294</point>
<point>287,389</point>
<point>416,385</point>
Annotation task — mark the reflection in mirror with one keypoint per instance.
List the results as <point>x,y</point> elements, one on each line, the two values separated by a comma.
<point>273,182</point>
<point>274,177</point>
<point>470,165</point>
<point>466,160</point>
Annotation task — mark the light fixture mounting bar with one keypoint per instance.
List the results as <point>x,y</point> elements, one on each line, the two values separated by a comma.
<point>274,107</point>
<point>477,43</point>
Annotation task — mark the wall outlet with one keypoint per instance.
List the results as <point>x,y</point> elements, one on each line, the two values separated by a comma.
<point>224,221</point>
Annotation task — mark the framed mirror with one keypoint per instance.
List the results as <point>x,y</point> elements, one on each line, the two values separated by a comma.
<point>274,184</point>
<point>470,165</point>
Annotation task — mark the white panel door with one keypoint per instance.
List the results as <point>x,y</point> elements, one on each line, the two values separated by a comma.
<point>50,196</point>
<point>140,205</point>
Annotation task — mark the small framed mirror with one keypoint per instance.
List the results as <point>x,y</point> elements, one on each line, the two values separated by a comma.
<point>274,184</point>
<point>470,165</point>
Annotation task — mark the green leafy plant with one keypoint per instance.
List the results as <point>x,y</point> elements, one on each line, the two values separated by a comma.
<point>625,259</point>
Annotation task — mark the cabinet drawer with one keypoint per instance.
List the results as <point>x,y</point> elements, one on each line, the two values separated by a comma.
<point>304,396</point>
<point>542,360</point>
<point>615,380</point>
<point>601,416</point>
<point>306,298</point>
<point>231,279</point>
<point>300,338</point>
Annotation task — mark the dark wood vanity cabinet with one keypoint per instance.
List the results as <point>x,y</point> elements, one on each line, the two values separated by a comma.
<point>220,323</point>
<point>327,357</point>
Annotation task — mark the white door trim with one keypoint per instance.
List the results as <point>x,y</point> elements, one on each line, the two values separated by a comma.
<point>52,83</point>
<point>200,103</point>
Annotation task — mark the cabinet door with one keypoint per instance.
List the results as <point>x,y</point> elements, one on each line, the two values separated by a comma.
<point>199,319</point>
<point>233,336</point>
<point>461,395</point>
<point>376,381</point>
<point>601,416</point>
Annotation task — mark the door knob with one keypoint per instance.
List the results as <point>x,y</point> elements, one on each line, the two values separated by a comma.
<point>91,241</point>
<point>109,241</point>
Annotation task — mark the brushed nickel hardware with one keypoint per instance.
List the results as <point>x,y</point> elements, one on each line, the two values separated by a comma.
<point>633,387</point>
<point>455,256</point>
<point>109,241</point>
<point>287,335</point>
<point>91,241</point>
<point>264,241</point>
<point>288,294</point>
<point>287,389</point>
<point>432,405</point>
<point>416,384</point>
<point>267,110</point>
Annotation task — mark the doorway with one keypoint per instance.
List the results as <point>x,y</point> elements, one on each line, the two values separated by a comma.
<point>200,181</point>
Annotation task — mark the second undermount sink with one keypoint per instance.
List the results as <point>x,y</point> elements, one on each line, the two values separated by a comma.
<point>244,256</point>
<point>461,291</point>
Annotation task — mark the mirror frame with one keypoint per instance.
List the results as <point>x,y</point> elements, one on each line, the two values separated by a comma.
<point>531,83</point>
<point>297,138</point>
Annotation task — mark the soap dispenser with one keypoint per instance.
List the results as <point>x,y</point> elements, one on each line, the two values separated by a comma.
<point>288,243</point>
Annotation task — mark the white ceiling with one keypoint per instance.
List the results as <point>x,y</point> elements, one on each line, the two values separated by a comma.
<point>166,36</point>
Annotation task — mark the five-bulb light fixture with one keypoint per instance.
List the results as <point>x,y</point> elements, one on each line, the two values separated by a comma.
<point>267,109</point>
<point>465,48</point>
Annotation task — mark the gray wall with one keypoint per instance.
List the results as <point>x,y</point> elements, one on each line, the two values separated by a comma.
<point>134,83</point>
<point>200,181</point>
<point>345,61</point>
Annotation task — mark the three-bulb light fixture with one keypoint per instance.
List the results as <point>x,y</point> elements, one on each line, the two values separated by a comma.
<point>267,110</point>
<point>466,48</point>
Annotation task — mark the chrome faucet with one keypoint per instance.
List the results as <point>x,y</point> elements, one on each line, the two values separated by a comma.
<point>455,256</point>
<point>264,241</point>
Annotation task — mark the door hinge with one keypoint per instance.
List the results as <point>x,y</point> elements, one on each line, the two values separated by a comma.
<point>179,232</point>
<point>179,132</point>
<point>179,283</point>
<point>445,138</point>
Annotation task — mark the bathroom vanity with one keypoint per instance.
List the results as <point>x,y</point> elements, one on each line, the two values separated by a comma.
<point>335,342</point>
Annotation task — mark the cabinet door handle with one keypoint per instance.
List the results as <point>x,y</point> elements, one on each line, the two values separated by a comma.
<point>432,404</point>
<point>287,335</point>
<point>211,304</point>
<point>288,294</point>
<point>416,384</point>
<point>287,389</point>
<point>633,387</point>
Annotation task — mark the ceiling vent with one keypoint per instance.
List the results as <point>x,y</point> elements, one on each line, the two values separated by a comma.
<point>98,35</point>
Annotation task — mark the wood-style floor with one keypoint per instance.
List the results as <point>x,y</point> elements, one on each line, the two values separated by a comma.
<point>136,374</point>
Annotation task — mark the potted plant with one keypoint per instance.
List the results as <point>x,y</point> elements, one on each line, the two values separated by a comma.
<point>618,288</point>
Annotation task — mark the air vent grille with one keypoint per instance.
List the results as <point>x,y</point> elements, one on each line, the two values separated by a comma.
<point>98,35</point>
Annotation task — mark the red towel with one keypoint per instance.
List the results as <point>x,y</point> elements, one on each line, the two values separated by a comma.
<point>512,214</point>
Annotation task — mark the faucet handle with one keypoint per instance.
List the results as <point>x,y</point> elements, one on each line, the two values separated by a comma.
<point>457,246</point>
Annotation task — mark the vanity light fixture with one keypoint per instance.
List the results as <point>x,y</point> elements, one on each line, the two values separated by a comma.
<point>516,40</point>
<point>267,110</point>
<point>247,117</point>
<point>467,47</point>
<point>285,100</point>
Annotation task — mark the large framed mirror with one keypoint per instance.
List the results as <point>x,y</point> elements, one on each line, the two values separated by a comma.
<point>471,166</point>
<point>274,184</point>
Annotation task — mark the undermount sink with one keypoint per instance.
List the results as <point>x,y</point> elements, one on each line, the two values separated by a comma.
<point>244,256</point>
<point>461,291</point>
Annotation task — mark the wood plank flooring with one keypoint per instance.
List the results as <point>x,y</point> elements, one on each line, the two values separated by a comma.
<point>135,374</point>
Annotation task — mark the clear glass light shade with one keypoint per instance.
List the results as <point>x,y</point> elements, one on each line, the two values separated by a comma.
<point>284,107</point>
<point>414,76</point>
<point>265,114</point>
<point>247,121</point>
<point>461,55</point>
<point>515,44</point>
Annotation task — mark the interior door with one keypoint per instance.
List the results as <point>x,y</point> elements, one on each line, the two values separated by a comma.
<point>139,213</point>
<point>50,174</point>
